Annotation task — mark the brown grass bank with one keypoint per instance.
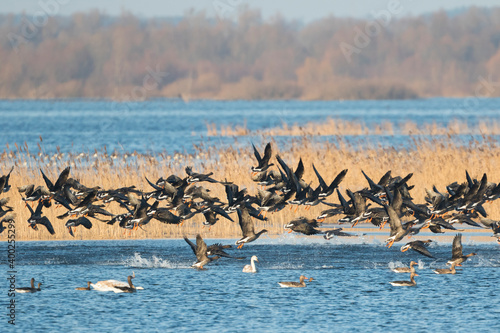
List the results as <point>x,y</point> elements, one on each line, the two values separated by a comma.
<point>432,162</point>
<point>333,127</point>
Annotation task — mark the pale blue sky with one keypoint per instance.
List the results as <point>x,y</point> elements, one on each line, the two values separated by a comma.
<point>291,9</point>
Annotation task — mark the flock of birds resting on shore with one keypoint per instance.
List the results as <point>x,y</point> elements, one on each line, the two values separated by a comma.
<point>176,199</point>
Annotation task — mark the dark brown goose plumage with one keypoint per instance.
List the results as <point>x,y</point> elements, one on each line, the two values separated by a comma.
<point>200,250</point>
<point>457,256</point>
<point>247,228</point>
<point>419,246</point>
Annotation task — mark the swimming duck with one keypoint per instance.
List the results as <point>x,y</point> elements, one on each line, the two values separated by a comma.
<point>27,289</point>
<point>31,289</point>
<point>410,283</point>
<point>84,288</point>
<point>457,256</point>
<point>450,270</point>
<point>293,284</point>
<point>251,268</point>
<point>130,288</point>
<point>405,269</point>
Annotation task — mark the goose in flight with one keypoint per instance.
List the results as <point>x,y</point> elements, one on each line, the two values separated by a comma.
<point>37,218</point>
<point>263,162</point>
<point>200,250</point>
<point>457,256</point>
<point>247,227</point>
<point>419,246</point>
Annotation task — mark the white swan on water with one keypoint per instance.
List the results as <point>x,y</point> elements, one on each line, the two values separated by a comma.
<point>116,286</point>
<point>251,268</point>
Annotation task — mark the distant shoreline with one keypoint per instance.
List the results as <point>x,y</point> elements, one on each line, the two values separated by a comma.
<point>176,99</point>
<point>385,56</point>
<point>202,99</point>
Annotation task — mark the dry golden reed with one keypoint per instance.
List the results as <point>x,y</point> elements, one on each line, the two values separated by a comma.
<point>432,162</point>
<point>333,127</point>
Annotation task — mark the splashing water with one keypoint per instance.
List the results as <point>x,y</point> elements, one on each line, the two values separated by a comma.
<point>397,264</point>
<point>154,262</point>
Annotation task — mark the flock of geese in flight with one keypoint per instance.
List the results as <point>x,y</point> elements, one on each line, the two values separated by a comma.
<point>181,198</point>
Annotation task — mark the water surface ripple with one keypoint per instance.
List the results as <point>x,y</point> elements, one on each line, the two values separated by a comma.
<point>351,290</point>
<point>171,125</point>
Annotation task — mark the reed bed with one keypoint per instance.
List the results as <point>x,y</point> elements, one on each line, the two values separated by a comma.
<point>432,161</point>
<point>334,127</point>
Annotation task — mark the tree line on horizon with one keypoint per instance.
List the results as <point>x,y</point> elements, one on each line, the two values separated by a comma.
<point>93,55</point>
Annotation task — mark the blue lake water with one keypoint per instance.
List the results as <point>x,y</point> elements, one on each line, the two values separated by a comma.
<point>172,125</point>
<point>350,291</point>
